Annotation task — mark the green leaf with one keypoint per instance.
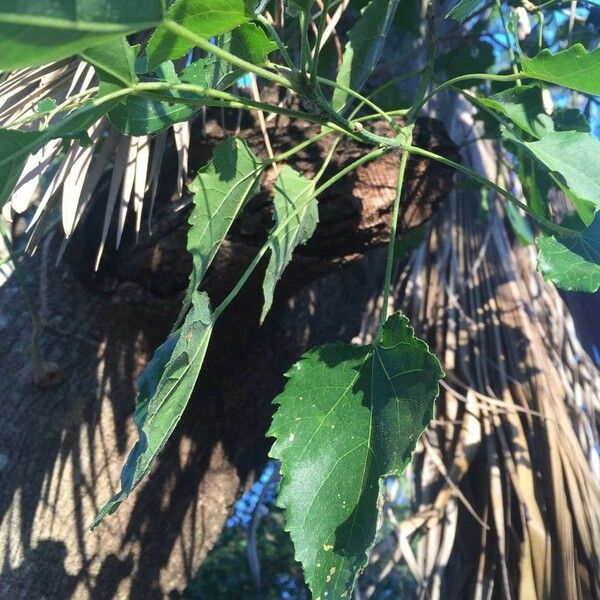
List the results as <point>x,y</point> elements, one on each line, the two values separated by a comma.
<point>293,7</point>
<point>519,224</point>
<point>136,115</point>
<point>408,241</point>
<point>222,189</point>
<point>348,417</point>
<point>248,42</point>
<point>570,119</point>
<point>11,153</point>
<point>572,157</point>
<point>35,32</point>
<point>296,218</point>
<point>364,48</point>
<point>523,105</point>
<point>114,62</point>
<point>573,262</point>
<point>574,68</point>
<point>206,18</point>
<point>165,388</point>
<point>466,57</point>
<point>464,9</point>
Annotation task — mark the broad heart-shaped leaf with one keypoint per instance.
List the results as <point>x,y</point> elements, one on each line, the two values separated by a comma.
<point>572,156</point>
<point>206,18</point>
<point>164,390</point>
<point>464,9</point>
<point>35,32</point>
<point>523,105</point>
<point>364,47</point>
<point>222,189</point>
<point>572,263</point>
<point>348,417</point>
<point>296,218</point>
<point>574,68</point>
<point>137,115</point>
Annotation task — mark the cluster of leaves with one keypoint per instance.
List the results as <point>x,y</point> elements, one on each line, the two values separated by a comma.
<point>349,415</point>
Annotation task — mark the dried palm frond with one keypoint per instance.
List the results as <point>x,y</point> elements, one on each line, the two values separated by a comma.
<point>74,173</point>
<point>507,477</point>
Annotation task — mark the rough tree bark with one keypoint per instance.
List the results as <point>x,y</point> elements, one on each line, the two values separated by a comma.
<point>62,448</point>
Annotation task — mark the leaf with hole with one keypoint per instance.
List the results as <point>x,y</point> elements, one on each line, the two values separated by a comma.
<point>348,417</point>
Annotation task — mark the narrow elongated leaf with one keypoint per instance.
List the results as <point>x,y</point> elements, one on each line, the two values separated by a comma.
<point>464,9</point>
<point>574,68</point>
<point>165,388</point>
<point>572,263</point>
<point>572,156</point>
<point>35,32</point>
<point>364,47</point>
<point>138,116</point>
<point>348,417</point>
<point>206,18</point>
<point>221,189</point>
<point>296,218</point>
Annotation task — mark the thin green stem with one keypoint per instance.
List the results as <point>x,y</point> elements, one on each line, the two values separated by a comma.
<point>477,76</point>
<point>387,283</point>
<point>351,167</point>
<point>508,195</point>
<point>261,253</point>
<point>275,36</point>
<point>511,52</point>
<point>427,73</point>
<point>232,59</point>
<point>314,68</point>
<point>304,43</point>
<point>364,100</point>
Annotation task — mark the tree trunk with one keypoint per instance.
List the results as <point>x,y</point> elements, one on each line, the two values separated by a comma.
<point>62,447</point>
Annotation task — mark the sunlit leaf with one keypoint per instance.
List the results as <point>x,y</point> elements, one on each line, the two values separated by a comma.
<point>523,105</point>
<point>572,157</point>
<point>206,18</point>
<point>221,189</point>
<point>364,48</point>
<point>574,68</point>
<point>572,262</point>
<point>296,218</point>
<point>164,390</point>
<point>348,417</point>
<point>464,9</point>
